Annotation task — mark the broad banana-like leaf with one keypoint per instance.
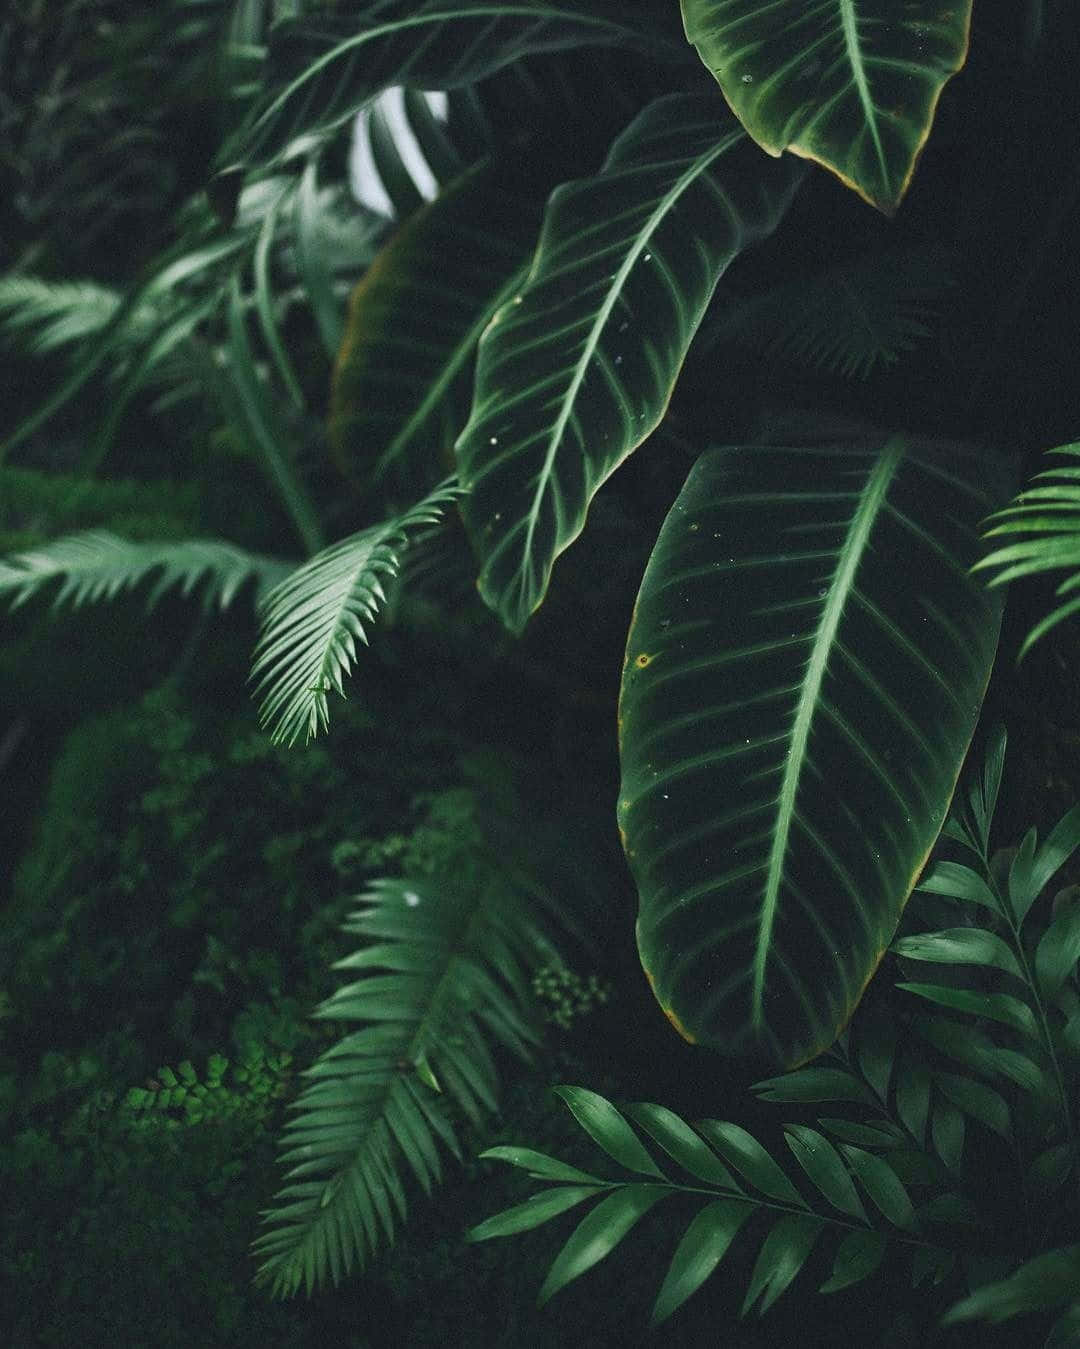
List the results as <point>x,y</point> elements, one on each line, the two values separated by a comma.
<point>401,386</point>
<point>323,70</point>
<point>803,675</point>
<point>577,368</point>
<point>851,84</point>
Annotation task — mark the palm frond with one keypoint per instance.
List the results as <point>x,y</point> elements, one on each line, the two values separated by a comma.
<point>1048,514</point>
<point>849,319</point>
<point>442,975</point>
<point>52,314</point>
<point>314,618</point>
<point>739,1177</point>
<point>97,565</point>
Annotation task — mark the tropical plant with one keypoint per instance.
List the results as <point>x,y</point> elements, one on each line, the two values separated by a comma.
<point>1017,1043</point>
<point>601,233</point>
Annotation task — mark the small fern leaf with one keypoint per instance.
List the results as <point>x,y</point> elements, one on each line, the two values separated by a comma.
<point>1045,522</point>
<point>54,314</point>
<point>97,565</point>
<point>313,619</point>
<point>431,988</point>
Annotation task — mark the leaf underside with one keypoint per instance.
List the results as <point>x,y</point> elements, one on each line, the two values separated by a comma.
<point>803,676</point>
<point>850,84</point>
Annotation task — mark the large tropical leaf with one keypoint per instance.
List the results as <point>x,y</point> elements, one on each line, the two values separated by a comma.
<point>401,383</point>
<point>577,369</point>
<point>851,84</point>
<point>98,565</point>
<point>323,71</point>
<point>1040,533</point>
<point>441,976</point>
<point>313,619</point>
<point>803,675</point>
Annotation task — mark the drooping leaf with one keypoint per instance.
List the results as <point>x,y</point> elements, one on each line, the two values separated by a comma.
<point>947,1133</point>
<point>540,1208</point>
<point>1045,521</point>
<point>539,1165</point>
<point>606,1127</point>
<point>958,946</point>
<point>851,86</point>
<point>97,565</point>
<point>1044,1282</point>
<point>313,619</point>
<point>913,1098</point>
<point>978,1052</point>
<point>702,1248</point>
<point>803,675</point>
<point>882,1184</point>
<point>822,1163</point>
<point>1002,1007</point>
<point>958,881</point>
<point>322,71</point>
<point>577,368</point>
<point>783,1253</point>
<point>1058,950</point>
<point>750,1159</point>
<point>679,1141</point>
<point>599,1232</point>
<point>977,1100</point>
<point>857,1257</point>
<point>401,382</point>
<point>883,1135</point>
<point>814,1084</point>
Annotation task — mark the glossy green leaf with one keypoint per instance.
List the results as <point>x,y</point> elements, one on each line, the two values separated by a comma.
<point>852,86</point>
<point>783,1253</point>
<point>913,1098</point>
<point>814,1084</point>
<point>857,1257</point>
<point>1001,1007</point>
<point>989,1060</point>
<point>884,1135</point>
<point>957,881</point>
<point>1047,1281</point>
<point>1061,843</point>
<point>539,1165</point>
<point>599,1232</point>
<point>577,368</point>
<point>1059,949</point>
<point>679,1141</point>
<point>977,1100</point>
<point>540,1208</point>
<point>703,1246</point>
<point>803,674</point>
<point>947,1133</point>
<point>822,1163</point>
<point>607,1128</point>
<point>401,386</point>
<point>750,1159</point>
<point>322,70</point>
<point>958,946</point>
<point>882,1184</point>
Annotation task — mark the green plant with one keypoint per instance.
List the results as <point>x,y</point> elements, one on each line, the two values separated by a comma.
<point>810,646</point>
<point>1019,1051</point>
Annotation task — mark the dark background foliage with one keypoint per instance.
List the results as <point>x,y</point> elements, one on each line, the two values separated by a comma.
<point>173,885</point>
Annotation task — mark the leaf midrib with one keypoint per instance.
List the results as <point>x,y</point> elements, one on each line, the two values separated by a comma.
<point>872,500</point>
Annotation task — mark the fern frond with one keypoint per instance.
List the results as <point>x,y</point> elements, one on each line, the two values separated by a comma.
<point>1049,515</point>
<point>54,313</point>
<point>848,319</point>
<point>97,565</point>
<point>314,618</point>
<point>442,975</point>
<point>739,1177</point>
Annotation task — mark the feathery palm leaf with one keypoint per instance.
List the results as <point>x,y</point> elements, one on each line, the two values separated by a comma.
<point>54,313</point>
<point>848,319</point>
<point>313,619</point>
<point>1049,515</point>
<point>97,565</point>
<point>441,976</point>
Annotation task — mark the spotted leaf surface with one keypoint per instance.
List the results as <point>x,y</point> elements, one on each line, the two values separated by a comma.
<point>575,370</point>
<point>804,671</point>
